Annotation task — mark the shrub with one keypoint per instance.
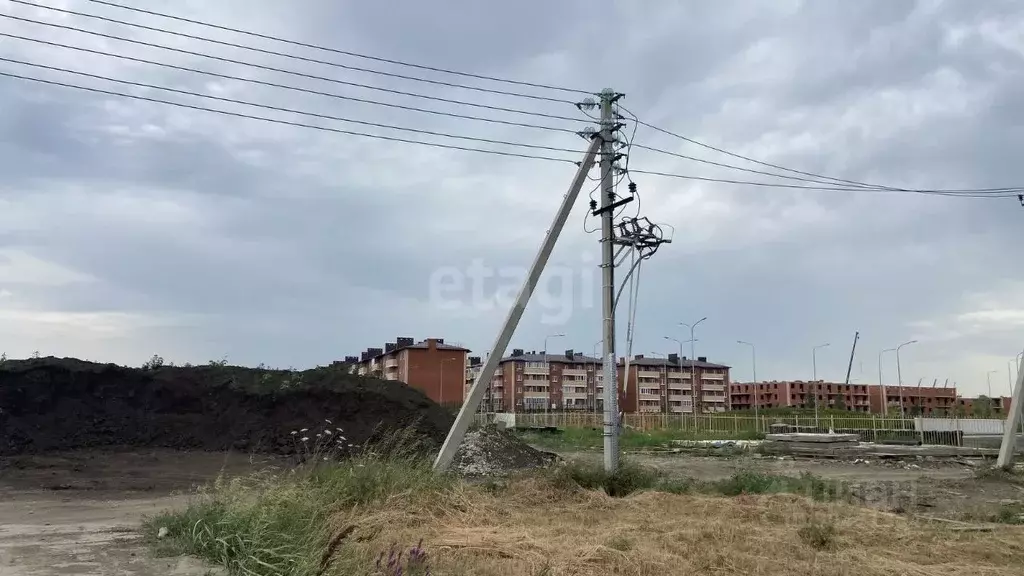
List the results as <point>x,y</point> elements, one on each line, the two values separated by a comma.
<point>627,479</point>
<point>818,535</point>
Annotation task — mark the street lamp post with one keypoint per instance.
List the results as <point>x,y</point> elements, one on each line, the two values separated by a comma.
<point>547,368</point>
<point>753,370</point>
<point>693,376</point>
<point>885,395</point>
<point>814,378</point>
<point>899,376</point>
<point>988,382</point>
<point>594,400</point>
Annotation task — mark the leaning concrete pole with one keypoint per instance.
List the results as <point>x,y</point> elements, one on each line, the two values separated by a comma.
<point>1009,445</point>
<point>469,407</point>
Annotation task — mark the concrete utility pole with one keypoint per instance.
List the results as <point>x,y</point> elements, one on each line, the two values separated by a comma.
<point>753,369</point>
<point>1013,418</point>
<point>693,373</point>
<point>611,381</point>
<point>881,384</point>
<point>814,378</point>
<point>462,421</point>
<point>899,376</point>
<point>988,382</point>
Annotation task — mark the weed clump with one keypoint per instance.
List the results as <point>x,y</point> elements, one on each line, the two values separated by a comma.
<point>818,535</point>
<point>627,479</point>
<point>281,522</point>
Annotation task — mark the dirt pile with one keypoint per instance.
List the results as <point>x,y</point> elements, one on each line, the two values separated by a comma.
<point>51,404</point>
<point>487,451</point>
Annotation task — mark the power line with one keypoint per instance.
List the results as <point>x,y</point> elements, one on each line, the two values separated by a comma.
<point>279,121</point>
<point>292,72</point>
<point>974,194</point>
<point>296,56</point>
<point>794,171</point>
<point>284,86</point>
<point>438,144</point>
<point>290,110</point>
<point>338,51</point>
<point>798,178</point>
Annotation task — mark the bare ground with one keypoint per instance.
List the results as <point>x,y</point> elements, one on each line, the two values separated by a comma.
<point>950,489</point>
<point>78,513</point>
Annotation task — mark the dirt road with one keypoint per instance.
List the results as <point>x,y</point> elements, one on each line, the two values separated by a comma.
<point>79,513</point>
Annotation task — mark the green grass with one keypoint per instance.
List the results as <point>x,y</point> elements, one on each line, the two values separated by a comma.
<point>631,478</point>
<point>1010,514</point>
<point>592,438</point>
<point>281,523</point>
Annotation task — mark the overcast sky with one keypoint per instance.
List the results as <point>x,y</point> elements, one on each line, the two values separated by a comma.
<point>130,228</point>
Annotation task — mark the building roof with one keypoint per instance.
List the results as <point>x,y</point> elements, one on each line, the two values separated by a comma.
<point>577,358</point>
<point>683,362</point>
<point>423,346</point>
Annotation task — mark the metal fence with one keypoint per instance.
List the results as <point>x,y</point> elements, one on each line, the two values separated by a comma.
<point>868,427</point>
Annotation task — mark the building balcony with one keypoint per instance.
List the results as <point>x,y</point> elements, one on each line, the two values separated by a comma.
<point>712,376</point>
<point>712,387</point>
<point>652,374</point>
<point>391,363</point>
<point>543,370</point>
<point>713,399</point>
<point>574,372</point>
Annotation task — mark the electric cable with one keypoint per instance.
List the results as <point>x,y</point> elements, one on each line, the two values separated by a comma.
<point>290,72</point>
<point>338,51</point>
<point>972,194</point>
<point>282,122</point>
<point>812,180</point>
<point>293,56</point>
<point>284,86</point>
<point>810,174</point>
<point>292,110</point>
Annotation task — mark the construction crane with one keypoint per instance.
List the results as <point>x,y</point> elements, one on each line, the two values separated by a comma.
<point>853,351</point>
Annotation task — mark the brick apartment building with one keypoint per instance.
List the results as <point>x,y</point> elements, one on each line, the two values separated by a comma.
<point>998,407</point>
<point>854,397</point>
<point>534,381</point>
<point>674,385</point>
<point>798,394</point>
<point>917,400</point>
<point>436,368</point>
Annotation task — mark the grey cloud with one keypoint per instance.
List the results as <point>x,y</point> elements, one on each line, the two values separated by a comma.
<point>307,246</point>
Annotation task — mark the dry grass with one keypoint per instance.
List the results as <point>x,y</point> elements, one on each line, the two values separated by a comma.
<point>533,528</point>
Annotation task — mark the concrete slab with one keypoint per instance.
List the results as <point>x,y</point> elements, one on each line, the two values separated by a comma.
<point>806,437</point>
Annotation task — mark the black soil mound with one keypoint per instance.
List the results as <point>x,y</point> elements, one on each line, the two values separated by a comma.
<point>52,404</point>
